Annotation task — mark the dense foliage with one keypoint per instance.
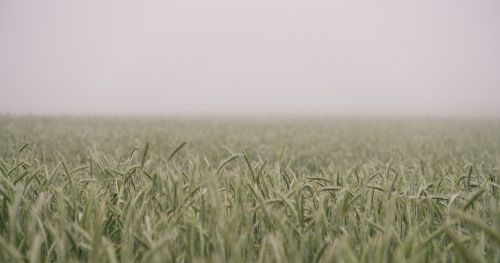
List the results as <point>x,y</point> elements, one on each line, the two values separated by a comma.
<point>227,190</point>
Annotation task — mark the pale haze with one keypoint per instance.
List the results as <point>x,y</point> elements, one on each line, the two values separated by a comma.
<point>355,58</point>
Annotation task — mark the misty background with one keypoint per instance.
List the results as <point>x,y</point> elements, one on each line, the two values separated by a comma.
<point>354,58</point>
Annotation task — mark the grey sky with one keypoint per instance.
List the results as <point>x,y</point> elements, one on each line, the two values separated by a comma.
<point>425,57</point>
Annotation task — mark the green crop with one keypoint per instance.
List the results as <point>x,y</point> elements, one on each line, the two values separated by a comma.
<point>108,189</point>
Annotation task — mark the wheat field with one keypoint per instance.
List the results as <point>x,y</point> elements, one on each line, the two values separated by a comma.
<point>131,189</point>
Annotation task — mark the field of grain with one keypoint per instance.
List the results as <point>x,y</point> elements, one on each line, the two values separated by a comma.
<point>254,190</point>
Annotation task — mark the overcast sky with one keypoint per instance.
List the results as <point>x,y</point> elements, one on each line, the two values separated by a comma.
<point>424,58</point>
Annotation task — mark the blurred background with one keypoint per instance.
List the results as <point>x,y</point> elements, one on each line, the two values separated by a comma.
<point>336,58</point>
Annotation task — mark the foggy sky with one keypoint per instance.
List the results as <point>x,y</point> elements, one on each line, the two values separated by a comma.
<point>425,57</point>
